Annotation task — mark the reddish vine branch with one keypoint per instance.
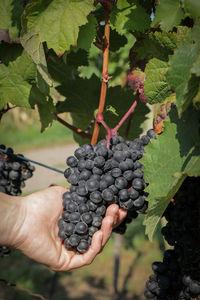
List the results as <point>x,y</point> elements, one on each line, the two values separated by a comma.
<point>105,78</point>
<point>73,128</point>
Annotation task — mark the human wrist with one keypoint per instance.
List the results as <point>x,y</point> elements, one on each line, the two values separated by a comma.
<point>12,217</point>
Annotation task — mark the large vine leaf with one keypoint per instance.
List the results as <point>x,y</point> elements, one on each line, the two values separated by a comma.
<point>15,81</point>
<point>168,160</point>
<point>182,65</point>
<point>18,78</point>
<point>82,103</point>
<point>168,14</point>
<point>156,87</point>
<point>57,21</point>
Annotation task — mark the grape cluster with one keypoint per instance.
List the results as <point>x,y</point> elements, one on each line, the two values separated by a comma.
<point>178,276</point>
<point>98,178</point>
<point>13,172</point>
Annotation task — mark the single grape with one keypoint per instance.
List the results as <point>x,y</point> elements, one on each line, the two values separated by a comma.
<point>97,220</point>
<point>83,246</point>
<point>92,185</point>
<point>72,161</point>
<point>87,218</point>
<point>81,228</point>
<point>108,195</point>
<point>121,183</point>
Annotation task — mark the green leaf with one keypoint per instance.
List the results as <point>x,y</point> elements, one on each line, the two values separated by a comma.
<point>15,81</point>
<point>192,7</point>
<point>155,213</point>
<point>159,44</point>
<point>9,52</point>
<point>191,92</point>
<point>94,64</point>
<point>134,23</point>
<point>196,67</point>
<point>168,160</point>
<point>119,15</point>
<point>180,70</point>
<point>58,69</point>
<point>5,14</point>
<point>87,33</point>
<point>156,88</point>
<point>82,102</point>
<point>10,13</point>
<point>57,21</point>
<point>44,105</point>
<point>182,64</point>
<point>156,44</point>
<point>164,39</point>
<point>168,14</point>
<point>196,100</point>
<point>77,58</point>
<point>116,41</point>
<point>31,43</point>
<point>46,109</point>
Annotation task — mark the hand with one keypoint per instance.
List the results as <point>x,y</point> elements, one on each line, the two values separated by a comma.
<point>38,235</point>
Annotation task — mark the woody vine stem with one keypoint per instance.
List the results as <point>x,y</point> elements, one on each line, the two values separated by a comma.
<point>105,79</point>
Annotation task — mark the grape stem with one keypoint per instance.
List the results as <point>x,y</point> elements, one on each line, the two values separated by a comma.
<point>113,131</point>
<point>131,109</point>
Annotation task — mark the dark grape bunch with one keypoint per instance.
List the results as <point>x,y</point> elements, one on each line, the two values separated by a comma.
<point>13,173</point>
<point>178,276</point>
<point>98,178</point>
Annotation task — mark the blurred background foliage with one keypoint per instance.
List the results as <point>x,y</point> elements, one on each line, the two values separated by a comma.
<point>20,129</point>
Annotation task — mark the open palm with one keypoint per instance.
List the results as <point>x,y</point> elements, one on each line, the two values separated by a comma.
<point>38,235</point>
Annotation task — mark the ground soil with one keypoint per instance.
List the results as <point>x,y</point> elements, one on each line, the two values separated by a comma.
<point>54,156</point>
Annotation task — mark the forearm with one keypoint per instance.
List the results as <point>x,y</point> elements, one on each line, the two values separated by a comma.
<point>12,215</point>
